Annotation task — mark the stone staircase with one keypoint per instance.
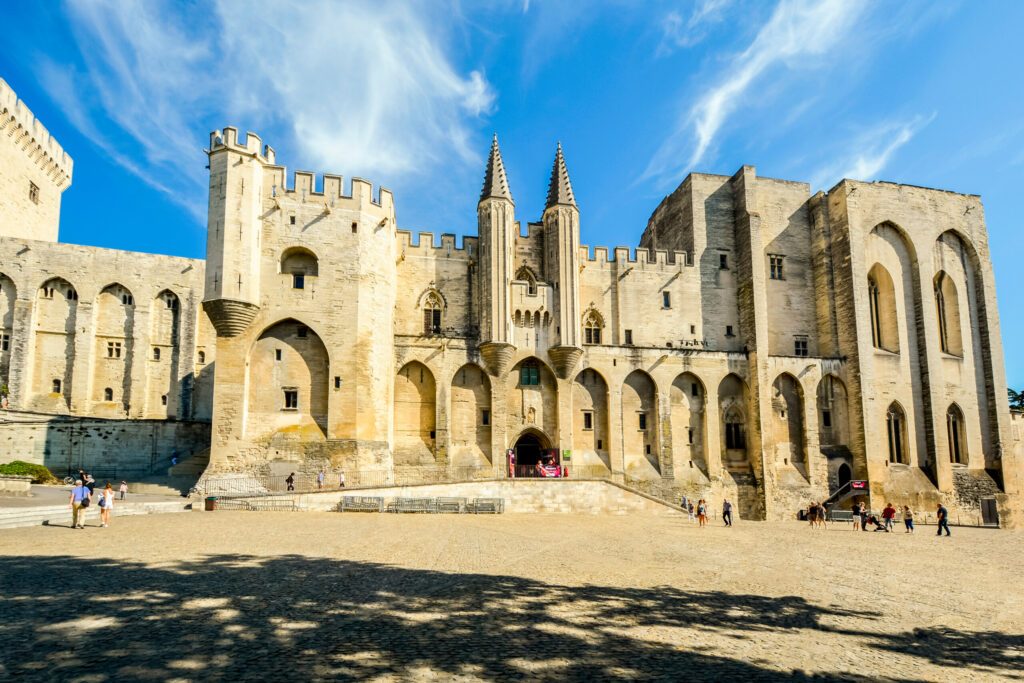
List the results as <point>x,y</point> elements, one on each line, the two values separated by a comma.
<point>60,515</point>
<point>179,479</point>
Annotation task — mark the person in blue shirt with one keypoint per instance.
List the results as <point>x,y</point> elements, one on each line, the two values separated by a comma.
<point>943,515</point>
<point>79,503</point>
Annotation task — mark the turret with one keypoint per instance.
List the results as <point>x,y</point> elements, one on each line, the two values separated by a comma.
<point>497,228</point>
<point>232,295</point>
<point>561,264</point>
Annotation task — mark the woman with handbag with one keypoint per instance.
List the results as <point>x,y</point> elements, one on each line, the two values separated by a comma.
<point>106,503</point>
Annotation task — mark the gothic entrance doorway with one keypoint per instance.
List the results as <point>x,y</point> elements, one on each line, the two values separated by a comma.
<point>532,449</point>
<point>845,475</point>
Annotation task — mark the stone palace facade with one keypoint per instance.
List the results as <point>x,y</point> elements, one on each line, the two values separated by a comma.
<point>763,343</point>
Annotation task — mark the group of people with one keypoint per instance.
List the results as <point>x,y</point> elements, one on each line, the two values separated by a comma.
<point>698,511</point>
<point>863,517</point>
<point>321,477</point>
<point>82,495</point>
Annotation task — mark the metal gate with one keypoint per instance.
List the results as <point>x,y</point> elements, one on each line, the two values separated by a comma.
<point>989,512</point>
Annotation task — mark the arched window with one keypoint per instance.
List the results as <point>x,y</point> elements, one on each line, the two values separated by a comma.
<point>299,263</point>
<point>956,435</point>
<point>108,394</point>
<point>735,434</point>
<point>896,431</point>
<point>527,276</point>
<point>202,357</point>
<point>156,353</point>
<point>882,310</point>
<point>592,324</point>
<point>947,310</point>
<point>432,307</point>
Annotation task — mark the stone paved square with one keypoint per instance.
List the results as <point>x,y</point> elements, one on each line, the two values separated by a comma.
<point>318,596</point>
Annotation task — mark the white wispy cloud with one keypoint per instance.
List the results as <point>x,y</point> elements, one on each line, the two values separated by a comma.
<point>871,151</point>
<point>363,88</point>
<point>800,34</point>
<point>677,32</point>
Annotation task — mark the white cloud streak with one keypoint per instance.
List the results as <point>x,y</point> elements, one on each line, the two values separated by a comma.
<point>800,34</point>
<point>679,33</point>
<point>873,150</point>
<point>358,88</point>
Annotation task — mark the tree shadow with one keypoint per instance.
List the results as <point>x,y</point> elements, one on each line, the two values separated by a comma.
<point>230,617</point>
<point>988,652</point>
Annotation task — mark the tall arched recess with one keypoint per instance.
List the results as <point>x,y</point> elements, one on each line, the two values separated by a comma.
<point>687,397</point>
<point>732,410</point>
<point>471,418</point>
<point>788,430</point>
<point>55,324</point>
<point>287,383</point>
<point>640,426</point>
<point>8,294</point>
<point>415,415</point>
<point>590,421</point>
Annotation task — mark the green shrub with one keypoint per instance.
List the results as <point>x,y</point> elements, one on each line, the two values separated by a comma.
<point>39,473</point>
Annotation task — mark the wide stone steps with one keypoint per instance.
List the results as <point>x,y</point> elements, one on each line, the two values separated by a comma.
<point>60,515</point>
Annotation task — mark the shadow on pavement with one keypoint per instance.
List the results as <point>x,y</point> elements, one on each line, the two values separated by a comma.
<point>230,617</point>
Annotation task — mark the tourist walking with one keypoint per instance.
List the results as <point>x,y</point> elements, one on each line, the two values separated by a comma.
<point>123,490</point>
<point>341,480</point>
<point>702,512</point>
<point>689,509</point>
<point>943,516</point>
<point>290,481</point>
<point>79,503</point>
<point>90,483</point>
<point>889,515</point>
<point>320,479</point>
<point>908,519</point>
<point>855,516</point>
<point>685,503</point>
<point>106,503</point>
<point>727,512</point>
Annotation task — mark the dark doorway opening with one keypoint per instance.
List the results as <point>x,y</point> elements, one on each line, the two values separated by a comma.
<point>530,449</point>
<point>845,475</point>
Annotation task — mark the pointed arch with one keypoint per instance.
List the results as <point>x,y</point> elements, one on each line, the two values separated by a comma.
<point>882,309</point>
<point>287,378</point>
<point>471,417</point>
<point>833,412</point>
<point>114,348</point>
<point>162,385</point>
<point>593,324</point>
<point>788,422</point>
<point>687,398</point>
<point>732,407</point>
<point>526,274</point>
<point>56,312</point>
<point>896,434</point>
<point>8,295</point>
<point>590,440</point>
<point>640,426</point>
<point>956,435</point>
<point>531,397</point>
<point>434,305</point>
<point>415,415</point>
<point>947,312</point>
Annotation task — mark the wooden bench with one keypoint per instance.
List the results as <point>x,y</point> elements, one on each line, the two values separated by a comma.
<point>361,503</point>
<point>492,506</point>
<point>450,504</point>
<point>412,505</point>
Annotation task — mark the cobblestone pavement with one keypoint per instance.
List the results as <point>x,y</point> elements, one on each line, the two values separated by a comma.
<point>314,596</point>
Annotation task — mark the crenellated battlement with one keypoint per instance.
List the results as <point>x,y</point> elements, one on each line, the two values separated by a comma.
<point>19,123</point>
<point>305,184</point>
<point>426,245</point>
<point>253,144</point>
<point>665,260</point>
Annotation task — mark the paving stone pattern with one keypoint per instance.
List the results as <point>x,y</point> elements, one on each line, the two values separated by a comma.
<point>315,596</point>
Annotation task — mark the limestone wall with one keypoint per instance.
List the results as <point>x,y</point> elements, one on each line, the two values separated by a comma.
<point>131,447</point>
<point>35,172</point>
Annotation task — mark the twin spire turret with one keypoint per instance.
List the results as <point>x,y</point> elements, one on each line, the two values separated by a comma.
<point>496,181</point>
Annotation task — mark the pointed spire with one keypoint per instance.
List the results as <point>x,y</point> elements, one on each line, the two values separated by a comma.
<point>495,180</point>
<point>560,189</point>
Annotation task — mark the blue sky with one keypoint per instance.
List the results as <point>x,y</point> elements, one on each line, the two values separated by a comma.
<point>639,93</point>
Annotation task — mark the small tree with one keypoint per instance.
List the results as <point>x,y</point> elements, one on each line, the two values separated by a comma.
<point>1016,399</point>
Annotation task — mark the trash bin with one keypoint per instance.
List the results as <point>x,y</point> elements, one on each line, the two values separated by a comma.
<point>211,504</point>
